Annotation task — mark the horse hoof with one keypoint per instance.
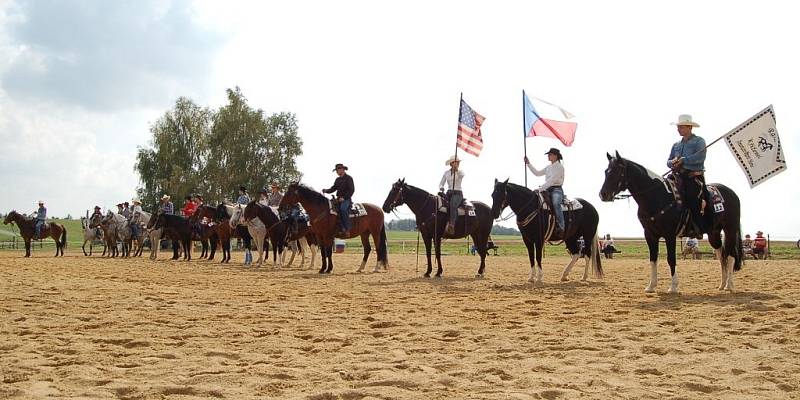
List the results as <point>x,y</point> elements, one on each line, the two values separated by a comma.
<point>427,275</point>
<point>564,279</point>
<point>650,290</point>
<point>478,276</point>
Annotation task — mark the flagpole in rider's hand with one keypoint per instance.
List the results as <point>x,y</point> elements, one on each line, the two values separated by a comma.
<point>458,124</point>
<point>524,139</point>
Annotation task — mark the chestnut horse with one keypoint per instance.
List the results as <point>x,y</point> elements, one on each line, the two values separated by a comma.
<point>27,231</point>
<point>324,224</point>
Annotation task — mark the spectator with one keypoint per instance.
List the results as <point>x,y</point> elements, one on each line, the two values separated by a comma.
<point>747,245</point>
<point>760,246</point>
<point>692,248</point>
<point>607,247</point>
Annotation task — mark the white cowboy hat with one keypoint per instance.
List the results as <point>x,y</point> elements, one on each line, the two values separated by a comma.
<point>136,201</point>
<point>165,197</point>
<point>686,119</point>
<point>451,160</point>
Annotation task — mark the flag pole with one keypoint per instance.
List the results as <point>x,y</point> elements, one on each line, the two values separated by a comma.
<point>524,138</point>
<point>461,100</point>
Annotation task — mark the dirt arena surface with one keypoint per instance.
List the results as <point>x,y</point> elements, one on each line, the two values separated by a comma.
<point>81,327</point>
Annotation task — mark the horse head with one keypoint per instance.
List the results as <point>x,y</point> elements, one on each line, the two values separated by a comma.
<point>250,211</point>
<point>161,221</point>
<point>500,198</point>
<point>615,181</point>
<point>95,221</point>
<point>152,221</point>
<point>236,216</point>
<point>395,197</point>
<point>10,217</point>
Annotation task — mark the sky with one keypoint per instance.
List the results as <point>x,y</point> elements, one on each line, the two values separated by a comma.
<point>375,86</point>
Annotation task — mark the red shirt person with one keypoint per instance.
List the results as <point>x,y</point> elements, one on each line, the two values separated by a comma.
<point>759,243</point>
<point>189,207</point>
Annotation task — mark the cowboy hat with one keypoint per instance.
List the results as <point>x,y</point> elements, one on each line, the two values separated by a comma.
<point>165,197</point>
<point>263,190</point>
<point>41,202</point>
<point>555,152</point>
<point>686,119</point>
<point>242,188</point>
<point>96,207</point>
<point>759,233</point>
<point>342,166</point>
<point>451,160</point>
<point>134,201</point>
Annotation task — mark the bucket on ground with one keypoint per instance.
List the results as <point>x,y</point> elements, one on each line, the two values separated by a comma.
<point>338,245</point>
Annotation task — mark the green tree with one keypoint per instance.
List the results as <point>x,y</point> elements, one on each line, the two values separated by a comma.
<point>247,148</point>
<point>174,162</point>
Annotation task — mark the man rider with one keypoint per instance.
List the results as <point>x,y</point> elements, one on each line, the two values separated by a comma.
<point>97,231</point>
<point>166,205</point>
<point>137,208</point>
<point>687,161</point>
<point>243,197</point>
<point>41,217</point>
<point>452,177</point>
<point>553,179</point>
<point>275,196</point>
<point>344,188</point>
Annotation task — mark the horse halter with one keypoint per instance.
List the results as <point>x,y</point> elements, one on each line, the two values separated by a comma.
<point>398,198</point>
<point>622,179</point>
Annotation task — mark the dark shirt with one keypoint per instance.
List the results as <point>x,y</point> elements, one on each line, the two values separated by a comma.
<point>343,186</point>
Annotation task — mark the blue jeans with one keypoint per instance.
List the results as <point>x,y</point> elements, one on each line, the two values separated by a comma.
<point>135,230</point>
<point>37,228</point>
<point>344,213</point>
<point>557,196</point>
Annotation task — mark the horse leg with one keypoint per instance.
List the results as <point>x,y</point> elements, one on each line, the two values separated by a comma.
<point>437,248</point>
<point>652,245</point>
<point>323,247</point>
<point>330,258</point>
<point>27,247</point>
<point>83,247</point>
<point>671,260</point>
<point>427,241</point>
<point>367,250</point>
<point>480,240</point>
<point>539,250</point>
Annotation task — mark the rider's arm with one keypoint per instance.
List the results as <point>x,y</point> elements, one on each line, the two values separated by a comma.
<point>534,170</point>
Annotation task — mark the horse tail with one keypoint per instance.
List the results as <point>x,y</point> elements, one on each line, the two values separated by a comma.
<point>383,251</point>
<point>63,236</point>
<point>738,252</point>
<point>597,266</point>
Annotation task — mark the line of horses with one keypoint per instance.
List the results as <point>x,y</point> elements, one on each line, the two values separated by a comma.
<point>261,227</point>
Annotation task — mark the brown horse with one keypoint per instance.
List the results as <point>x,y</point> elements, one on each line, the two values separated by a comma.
<point>26,229</point>
<point>324,224</point>
<point>221,230</point>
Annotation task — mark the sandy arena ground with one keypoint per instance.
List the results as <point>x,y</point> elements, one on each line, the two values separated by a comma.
<point>81,327</point>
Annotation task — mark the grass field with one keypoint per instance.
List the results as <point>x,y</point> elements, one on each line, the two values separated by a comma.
<point>402,242</point>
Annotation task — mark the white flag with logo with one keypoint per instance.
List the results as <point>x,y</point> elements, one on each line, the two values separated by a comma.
<point>756,146</point>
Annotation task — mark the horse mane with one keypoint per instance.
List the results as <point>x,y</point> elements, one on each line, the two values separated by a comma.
<point>416,188</point>
<point>309,193</point>
<point>642,170</point>
<point>521,188</point>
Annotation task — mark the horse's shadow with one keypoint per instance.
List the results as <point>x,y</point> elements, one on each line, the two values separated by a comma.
<point>674,301</point>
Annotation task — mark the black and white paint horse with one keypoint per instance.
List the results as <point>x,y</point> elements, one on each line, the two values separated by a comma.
<point>537,224</point>
<point>661,216</point>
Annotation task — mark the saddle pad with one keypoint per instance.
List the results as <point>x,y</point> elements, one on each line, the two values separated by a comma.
<point>566,204</point>
<point>717,201</point>
<point>466,207</point>
<point>356,210</point>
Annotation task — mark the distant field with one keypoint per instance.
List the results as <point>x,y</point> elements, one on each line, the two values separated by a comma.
<point>403,242</point>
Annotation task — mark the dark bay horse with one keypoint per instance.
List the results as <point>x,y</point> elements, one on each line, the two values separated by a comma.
<point>324,224</point>
<point>207,235</point>
<point>431,224</point>
<point>27,231</point>
<point>272,222</point>
<point>535,223</point>
<point>661,216</point>
<point>176,228</point>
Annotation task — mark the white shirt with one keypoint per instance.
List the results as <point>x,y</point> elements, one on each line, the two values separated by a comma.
<point>553,174</point>
<point>448,178</point>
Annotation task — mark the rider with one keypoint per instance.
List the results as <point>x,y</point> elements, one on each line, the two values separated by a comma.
<point>687,161</point>
<point>41,217</point>
<point>453,178</point>
<point>263,196</point>
<point>553,179</point>
<point>97,231</point>
<point>344,188</point>
<point>189,207</point>
<point>243,197</point>
<point>275,196</point>
<point>166,205</point>
<point>137,208</point>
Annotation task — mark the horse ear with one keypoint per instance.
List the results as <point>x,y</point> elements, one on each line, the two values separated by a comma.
<point>608,156</point>
<point>617,152</point>
<point>403,180</point>
<point>495,181</point>
<point>506,182</point>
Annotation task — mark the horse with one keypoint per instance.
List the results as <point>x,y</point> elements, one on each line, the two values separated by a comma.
<point>27,230</point>
<point>177,228</point>
<point>252,231</point>
<point>324,224</point>
<point>116,228</point>
<point>270,219</point>
<point>208,232</point>
<point>154,235</point>
<point>91,233</point>
<point>142,219</point>
<point>431,224</point>
<point>661,216</point>
<point>537,225</point>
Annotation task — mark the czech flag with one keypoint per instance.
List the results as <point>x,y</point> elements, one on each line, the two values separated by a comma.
<point>548,120</point>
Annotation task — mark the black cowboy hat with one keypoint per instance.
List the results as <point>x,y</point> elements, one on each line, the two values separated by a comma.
<point>555,151</point>
<point>126,204</point>
<point>96,207</point>
<point>242,188</point>
<point>342,166</point>
<point>119,205</point>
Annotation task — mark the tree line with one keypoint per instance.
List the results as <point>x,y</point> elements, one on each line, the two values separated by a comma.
<point>195,149</point>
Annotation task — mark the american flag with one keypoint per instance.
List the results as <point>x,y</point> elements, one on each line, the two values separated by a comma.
<point>469,130</point>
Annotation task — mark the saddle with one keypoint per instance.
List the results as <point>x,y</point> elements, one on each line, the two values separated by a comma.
<point>466,207</point>
<point>566,204</point>
<point>356,209</point>
<point>712,192</point>
<point>44,231</point>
